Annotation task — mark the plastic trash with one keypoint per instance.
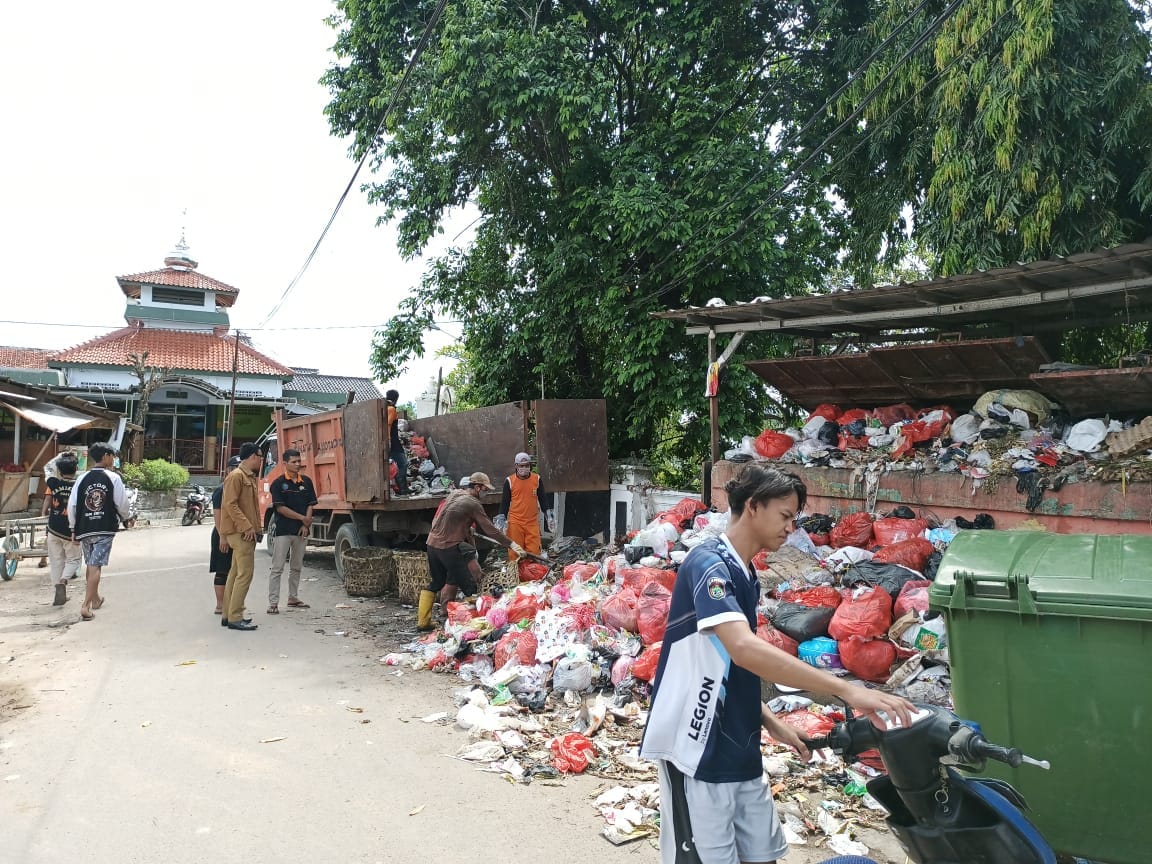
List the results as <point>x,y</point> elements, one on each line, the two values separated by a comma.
<point>822,652</point>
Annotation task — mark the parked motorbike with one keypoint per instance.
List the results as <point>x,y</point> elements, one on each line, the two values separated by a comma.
<point>939,815</point>
<point>195,507</point>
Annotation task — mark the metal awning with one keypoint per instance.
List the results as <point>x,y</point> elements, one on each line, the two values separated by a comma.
<point>1103,286</point>
<point>57,410</point>
<point>54,418</point>
<point>953,372</point>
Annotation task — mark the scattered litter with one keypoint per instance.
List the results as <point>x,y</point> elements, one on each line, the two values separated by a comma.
<point>187,663</point>
<point>416,810</point>
<point>273,740</point>
<point>354,710</point>
<point>145,724</point>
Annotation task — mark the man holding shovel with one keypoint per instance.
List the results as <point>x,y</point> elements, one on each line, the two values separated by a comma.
<point>452,561</point>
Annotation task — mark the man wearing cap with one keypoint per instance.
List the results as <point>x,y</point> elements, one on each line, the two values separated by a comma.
<point>452,563</point>
<point>521,503</point>
<point>220,557</point>
<point>240,525</point>
<point>396,450</point>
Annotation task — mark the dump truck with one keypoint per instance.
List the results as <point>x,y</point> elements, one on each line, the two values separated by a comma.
<point>345,452</point>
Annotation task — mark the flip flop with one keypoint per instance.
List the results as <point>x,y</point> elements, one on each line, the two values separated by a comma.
<point>298,604</point>
<point>273,610</point>
<point>98,603</point>
<point>86,616</point>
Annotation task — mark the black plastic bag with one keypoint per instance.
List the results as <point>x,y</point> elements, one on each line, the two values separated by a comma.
<point>932,566</point>
<point>802,622</point>
<point>890,577</point>
<point>829,433</point>
<point>902,512</point>
<point>817,523</point>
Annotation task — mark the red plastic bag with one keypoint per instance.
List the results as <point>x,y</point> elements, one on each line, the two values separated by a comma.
<point>530,571</point>
<point>682,513</point>
<point>772,444</point>
<point>460,613</point>
<point>638,578</point>
<point>646,664</point>
<point>894,529</point>
<point>824,595</point>
<point>913,554</point>
<point>581,572</point>
<point>652,612</point>
<point>854,529</point>
<point>780,640</point>
<point>891,414</point>
<point>819,539</point>
<point>523,606</point>
<point>869,659</point>
<point>518,644</point>
<point>853,414</point>
<point>828,411</point>
<point>572,753</point>
<point>913,597</point>
<point>868,615</point>
<point>853,442</point>
<point>619,611</point>
<point>582,616</point>
<point>760,560</point>
<point>808,723</point>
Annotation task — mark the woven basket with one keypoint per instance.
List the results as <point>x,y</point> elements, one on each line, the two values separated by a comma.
<point>369,572</point>
<point>506,578</point>
<point>411,575</point>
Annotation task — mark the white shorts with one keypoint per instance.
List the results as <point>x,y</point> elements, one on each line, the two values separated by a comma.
<point>731,822</point>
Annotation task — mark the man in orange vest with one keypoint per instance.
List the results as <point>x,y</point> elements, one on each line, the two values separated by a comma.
<point>521,504</point>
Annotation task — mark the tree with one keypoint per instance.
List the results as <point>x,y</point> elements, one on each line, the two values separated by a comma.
<point>1022,130</point>
<point>150,378</point>
<point>610,149</point>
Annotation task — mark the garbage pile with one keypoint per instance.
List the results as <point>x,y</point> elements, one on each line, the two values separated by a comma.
<point>425,477</point>
<point>1018,434</point>
<point>560,667</point>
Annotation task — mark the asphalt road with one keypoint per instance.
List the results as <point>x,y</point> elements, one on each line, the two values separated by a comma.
<point>151,734</point>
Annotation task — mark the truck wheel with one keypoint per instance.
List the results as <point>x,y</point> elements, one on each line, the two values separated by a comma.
<point>270,532</point>
<point>347,537</point>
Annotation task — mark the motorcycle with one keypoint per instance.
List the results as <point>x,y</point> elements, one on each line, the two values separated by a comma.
<point>939,815</point>
<point>195,507</point>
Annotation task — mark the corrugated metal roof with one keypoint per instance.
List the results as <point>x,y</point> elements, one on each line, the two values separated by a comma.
<point>337,385</point>
<point>1081,289</point>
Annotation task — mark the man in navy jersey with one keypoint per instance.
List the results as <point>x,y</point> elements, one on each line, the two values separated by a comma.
<point>706,717</point>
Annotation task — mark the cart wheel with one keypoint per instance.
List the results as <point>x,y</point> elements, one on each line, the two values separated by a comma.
<point>11,557</point>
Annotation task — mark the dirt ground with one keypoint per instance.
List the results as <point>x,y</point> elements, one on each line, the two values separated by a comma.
<point>154,734</point>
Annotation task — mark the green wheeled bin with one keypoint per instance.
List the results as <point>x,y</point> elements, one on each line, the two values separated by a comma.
<point>1050,640</point>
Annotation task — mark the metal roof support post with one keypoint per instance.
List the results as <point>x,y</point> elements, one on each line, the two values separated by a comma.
<point>713,396</point>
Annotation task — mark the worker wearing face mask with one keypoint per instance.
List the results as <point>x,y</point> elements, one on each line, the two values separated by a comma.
<point>521,503</point>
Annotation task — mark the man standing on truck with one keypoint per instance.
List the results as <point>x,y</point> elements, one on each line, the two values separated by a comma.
<point>395,446</point>
<point>293,496</point>
<point>452,563</point>
<point>240,526</point>
<point>521,503</point>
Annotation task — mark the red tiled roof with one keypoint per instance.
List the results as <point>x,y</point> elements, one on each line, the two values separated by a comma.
<point>173,349</point>
<point>24,358</point>
<point>178,279</point>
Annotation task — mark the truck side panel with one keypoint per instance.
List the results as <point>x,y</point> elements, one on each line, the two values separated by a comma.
<point>320,440</point>
<point>366,452</point>
<point>483,439</point>
<point>572,444</point>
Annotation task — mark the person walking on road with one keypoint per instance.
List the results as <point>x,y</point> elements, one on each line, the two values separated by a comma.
<point>396,450</point>
<point>220,553</point>
<point>97,507</point>
<point>521,503</point>
<point>293,496</point>
<point>240,526</point>
<point>706,717</point>
<point>63,551</point>
<point>452,560</point>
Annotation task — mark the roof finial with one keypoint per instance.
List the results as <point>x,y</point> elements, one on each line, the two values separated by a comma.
<point>183,244</point>
<point>180,258</point>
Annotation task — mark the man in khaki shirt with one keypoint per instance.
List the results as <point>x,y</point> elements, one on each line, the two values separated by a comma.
<point>452,561</point>
<point>240,524</point>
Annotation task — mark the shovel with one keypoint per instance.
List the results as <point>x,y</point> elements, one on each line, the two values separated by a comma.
<point>527,555</point>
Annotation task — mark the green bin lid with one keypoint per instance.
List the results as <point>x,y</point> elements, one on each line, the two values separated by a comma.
<point>1091,575</point>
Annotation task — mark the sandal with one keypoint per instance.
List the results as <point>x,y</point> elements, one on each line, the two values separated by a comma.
<point>273,609</point>
<point>296,603</point>
<point>98,603</point>
<point>85,614</point>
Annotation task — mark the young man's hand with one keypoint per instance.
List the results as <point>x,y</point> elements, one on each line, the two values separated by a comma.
<point>785,734</point>
<point>869,702</point>
<point>250,535</point>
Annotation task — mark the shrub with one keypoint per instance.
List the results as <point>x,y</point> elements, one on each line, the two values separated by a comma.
<point>155,475</point>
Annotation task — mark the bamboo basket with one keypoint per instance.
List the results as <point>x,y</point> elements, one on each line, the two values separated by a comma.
<point>369,572</point>
<point>411,575</point>
<point>506,578</point>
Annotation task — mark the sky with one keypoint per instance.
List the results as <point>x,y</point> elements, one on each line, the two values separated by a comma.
<point>123,116</point>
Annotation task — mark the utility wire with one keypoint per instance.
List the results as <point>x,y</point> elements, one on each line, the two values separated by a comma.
<point>396,94</point>
<point>808,124</point>
<point>869,97</point>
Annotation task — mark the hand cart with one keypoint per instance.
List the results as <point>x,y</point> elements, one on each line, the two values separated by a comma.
<point>23,538</point>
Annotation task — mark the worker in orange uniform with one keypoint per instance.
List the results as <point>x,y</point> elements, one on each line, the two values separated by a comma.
<point>521,504</point>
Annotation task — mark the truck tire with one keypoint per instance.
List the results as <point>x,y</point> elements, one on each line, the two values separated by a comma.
<point>347,537</point>
<point>270,532</point>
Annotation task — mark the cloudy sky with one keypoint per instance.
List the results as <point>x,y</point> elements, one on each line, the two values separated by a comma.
<point>123,115</point>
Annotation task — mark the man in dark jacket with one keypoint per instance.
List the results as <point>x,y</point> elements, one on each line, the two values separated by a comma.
<point>97,506</point>
<point>396,450</point>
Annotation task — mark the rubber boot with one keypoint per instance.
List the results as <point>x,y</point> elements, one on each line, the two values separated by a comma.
<point>424,611</point>
<point>61,594</point>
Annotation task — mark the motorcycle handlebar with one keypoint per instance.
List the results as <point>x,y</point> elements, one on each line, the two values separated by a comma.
<point>986,749</point>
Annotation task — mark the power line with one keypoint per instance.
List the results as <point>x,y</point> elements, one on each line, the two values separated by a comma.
<point>870,96</point>
<point>436,13</point>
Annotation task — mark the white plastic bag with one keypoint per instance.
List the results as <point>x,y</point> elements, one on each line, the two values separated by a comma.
<point>966,429</point>
<point>1087,435</point>
<point>572,674</point>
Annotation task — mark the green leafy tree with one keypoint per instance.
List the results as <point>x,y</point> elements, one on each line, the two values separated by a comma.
<point>610,149</point>
<point>1022,130</point>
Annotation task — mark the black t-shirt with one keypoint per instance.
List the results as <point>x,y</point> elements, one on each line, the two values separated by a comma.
<point>297,496</point>
<point>218,497</point>
<point>58,492</point>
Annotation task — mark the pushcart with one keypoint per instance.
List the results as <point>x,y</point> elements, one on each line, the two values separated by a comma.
<point>23,538</point>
